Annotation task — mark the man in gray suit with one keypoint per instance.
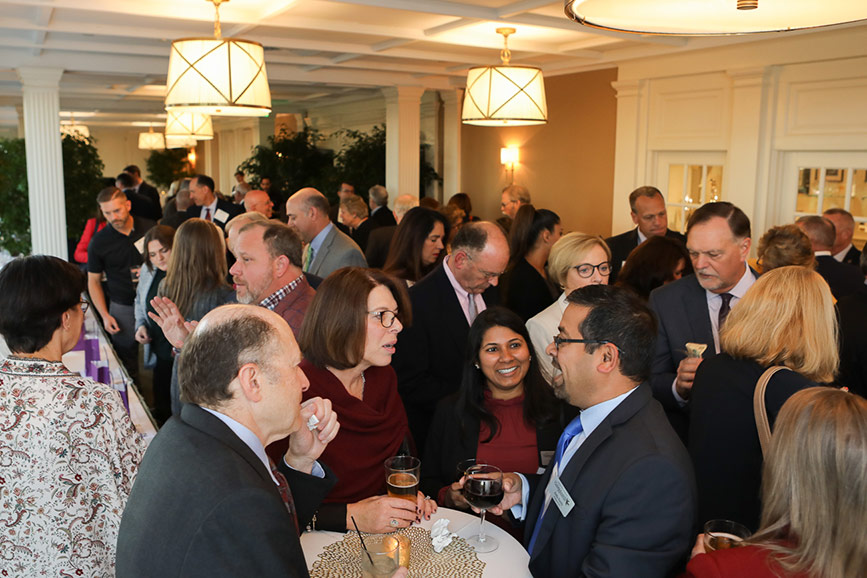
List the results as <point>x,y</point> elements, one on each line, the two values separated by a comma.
<point>327,249</point>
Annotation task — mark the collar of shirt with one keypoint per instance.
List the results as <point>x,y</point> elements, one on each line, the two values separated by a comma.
<point>246,436</point>
<point>463,296</point>
<point>714,301</point>
<point>822,253</point>
<point>842,254</point>
<point>212,207</point>
<point>641,237</point>
<point>317,241</point>
<point>137,187</point>
<point>271,301</point>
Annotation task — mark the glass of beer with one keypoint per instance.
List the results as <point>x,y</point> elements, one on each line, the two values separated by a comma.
<point>401,477</point>
<point>379,556</point>
<point>724,534</point>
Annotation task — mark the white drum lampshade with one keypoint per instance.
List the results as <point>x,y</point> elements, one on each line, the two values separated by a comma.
<point>180,142</point>
<point>151,140</point>
<point>194,125</point>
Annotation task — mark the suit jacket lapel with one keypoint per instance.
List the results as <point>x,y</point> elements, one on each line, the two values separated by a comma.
<point>323,251</point>
<point>450,308</point>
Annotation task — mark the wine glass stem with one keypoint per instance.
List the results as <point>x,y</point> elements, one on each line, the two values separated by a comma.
<point>482,528</point>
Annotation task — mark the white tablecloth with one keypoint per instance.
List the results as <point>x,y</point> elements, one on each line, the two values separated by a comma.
<point>507,561</point>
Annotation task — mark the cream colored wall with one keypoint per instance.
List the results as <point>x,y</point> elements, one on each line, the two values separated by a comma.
<point>118,147</point>
<point>568,164</point>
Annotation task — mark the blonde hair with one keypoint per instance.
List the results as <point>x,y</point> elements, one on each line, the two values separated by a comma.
<point>786,318</point>
<point>197,264</point>
<point>814,485</point>
<point>567,249</point>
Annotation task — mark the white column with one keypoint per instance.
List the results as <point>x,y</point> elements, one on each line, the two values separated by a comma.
<point>630,150</point>
<point>402,139</point>
<point>452,126</point>
<point>41,90</point>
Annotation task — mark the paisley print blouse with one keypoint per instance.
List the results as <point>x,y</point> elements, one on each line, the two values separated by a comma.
<point>68,457</point>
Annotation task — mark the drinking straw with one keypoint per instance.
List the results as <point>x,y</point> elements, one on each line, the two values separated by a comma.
<point>362,540</point>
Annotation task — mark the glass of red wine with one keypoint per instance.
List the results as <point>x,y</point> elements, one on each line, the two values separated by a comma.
<point>483,489</point>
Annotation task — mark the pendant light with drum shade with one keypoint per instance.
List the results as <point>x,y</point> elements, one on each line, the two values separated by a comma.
<point>218,76</point>
<point>194,125</point>
<point>713,17</point>
<point>505,95</point>
<point>151,141</point>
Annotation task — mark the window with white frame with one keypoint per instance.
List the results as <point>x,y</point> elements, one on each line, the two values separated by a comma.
<point>689,187</point>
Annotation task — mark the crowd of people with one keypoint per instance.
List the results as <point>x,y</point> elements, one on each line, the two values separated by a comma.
<point>612,380</point>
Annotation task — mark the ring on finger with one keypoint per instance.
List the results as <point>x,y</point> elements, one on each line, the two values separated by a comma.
<point>393,523</point>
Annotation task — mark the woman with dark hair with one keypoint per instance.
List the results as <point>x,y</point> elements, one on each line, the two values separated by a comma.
<point>196,278</point>
<point>70,452</point>
<point>504,413</point>
<point>348,338</point>
<point>158,243</point>
<point>654,263</point>
<point>463,202</point>
<point>526,288</point>
<point>417,247</point>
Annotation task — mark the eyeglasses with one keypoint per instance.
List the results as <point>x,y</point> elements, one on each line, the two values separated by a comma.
<point>509,202</point>
<point>84,305</point>
<point>558,341</point>
<point>386,317</point>
<point>585,270</point>
<point>487,274</point>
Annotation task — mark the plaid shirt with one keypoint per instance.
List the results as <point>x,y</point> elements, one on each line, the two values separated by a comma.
<point>274,298</point>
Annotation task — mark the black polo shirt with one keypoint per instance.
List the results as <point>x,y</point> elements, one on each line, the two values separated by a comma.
<point>115,254</point>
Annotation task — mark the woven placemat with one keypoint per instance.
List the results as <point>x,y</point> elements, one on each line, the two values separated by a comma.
<point>343,558</point>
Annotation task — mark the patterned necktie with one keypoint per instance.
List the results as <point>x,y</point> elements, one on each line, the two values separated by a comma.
<point>573,429</point>
<point>471,307</point>
<point>285,494</point>
<point>207,213</point>
<point>725,308</point>
<point>308,258</point>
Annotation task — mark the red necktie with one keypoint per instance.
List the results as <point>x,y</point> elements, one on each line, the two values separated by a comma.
<point>285,494</point>
<point>207,214</point>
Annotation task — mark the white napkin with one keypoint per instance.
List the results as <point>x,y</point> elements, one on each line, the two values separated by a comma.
<point>440,535</point>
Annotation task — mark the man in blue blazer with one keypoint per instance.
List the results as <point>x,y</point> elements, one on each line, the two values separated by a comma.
<point>618,499</point>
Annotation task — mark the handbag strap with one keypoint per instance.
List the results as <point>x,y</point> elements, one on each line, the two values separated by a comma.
<point>759,409</point>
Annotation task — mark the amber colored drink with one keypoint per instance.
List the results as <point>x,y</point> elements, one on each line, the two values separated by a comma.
<point>722,541</point>
<point>402,485</point>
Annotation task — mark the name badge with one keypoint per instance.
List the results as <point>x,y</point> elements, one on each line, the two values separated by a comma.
<point>221,215</point>
<point>557,492</point>
<point>139,245</point>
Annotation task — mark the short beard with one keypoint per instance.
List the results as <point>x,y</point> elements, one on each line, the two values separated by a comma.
<point>247,299</point>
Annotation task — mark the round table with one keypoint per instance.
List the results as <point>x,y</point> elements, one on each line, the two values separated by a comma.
<point>509,560</point>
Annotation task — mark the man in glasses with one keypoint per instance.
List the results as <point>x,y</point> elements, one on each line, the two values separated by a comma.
<point>649,214</point>
<point>430,353</point>
<point>619,497</point>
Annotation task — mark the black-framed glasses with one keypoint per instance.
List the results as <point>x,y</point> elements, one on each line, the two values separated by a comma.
<point>84,303</point>
<point>585,270</point>
<point>386,317</point>
<point>558,341</point>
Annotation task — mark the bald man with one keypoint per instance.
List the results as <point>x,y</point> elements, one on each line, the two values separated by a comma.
<point>327,249</point>
<point>258,201</point>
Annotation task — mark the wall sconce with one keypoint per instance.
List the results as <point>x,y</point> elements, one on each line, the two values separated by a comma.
<point>191,158</point>
<point>509,157</point>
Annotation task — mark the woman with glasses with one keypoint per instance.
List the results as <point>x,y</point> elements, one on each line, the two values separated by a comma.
<point>69,452</point>
<point>504,413</point>
<point>526,289</point>
<point>576,260</point>
<point>348,338</point>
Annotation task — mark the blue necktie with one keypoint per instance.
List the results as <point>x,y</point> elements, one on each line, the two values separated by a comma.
<point>573,429</point>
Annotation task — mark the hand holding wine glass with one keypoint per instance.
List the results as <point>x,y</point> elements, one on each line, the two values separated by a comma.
<point>483,489</point>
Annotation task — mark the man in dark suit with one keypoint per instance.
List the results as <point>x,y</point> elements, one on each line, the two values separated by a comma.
<point>380,214</point>
<point>141,187</point>
<point>430,354</point>
<point>379,242</point>
<point>618,499</point>
<point>141,206</point>
<point>207,206</point>
<point>692,309</point>
<point>853,338</point>
<point>843,279</point>
<point>844,226</point>
<point>651,219</point>
<point>207,501</point>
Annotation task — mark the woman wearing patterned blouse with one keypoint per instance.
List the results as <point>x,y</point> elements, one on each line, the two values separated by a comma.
<point>68,451</point>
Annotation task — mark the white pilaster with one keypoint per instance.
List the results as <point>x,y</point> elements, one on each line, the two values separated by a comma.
<point>402,139</point>
<point>452,126</point>
<point>629,155</point>
<point>41,91</point>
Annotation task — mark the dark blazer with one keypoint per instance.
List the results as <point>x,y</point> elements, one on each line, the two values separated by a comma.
<point>447,444</point>
<point>142,206</point>
<point>430,353</point>
<point>853,337</point>
<point>634,496</point>
<point>526,292</point>
<point>843,279</point>
<point>853,257</point>
<point>151,193</point>
<point>682,316</point>
<point>723,440</point>
<point>231,210</point>
<point>623,244</point>
<point>383,217</point>
<point>204,505</point>
<point>378,245</point>
<point>361,233</point>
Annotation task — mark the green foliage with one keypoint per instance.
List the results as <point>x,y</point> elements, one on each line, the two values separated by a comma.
<point>167,166</point>
<point>361,162</point>
<point>82,171</point>
<point>292,161</point>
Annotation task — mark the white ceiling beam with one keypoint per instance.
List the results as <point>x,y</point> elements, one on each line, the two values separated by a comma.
<point>344,57</point>
<point>389,44</point>
<point>449,26</point>
<point>282,8</point>
<point>522,6</point>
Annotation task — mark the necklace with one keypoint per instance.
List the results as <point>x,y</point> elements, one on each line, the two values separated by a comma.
<point>363,383</point>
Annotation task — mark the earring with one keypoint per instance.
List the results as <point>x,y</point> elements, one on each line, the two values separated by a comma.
<point>477,365</point>
<point>530,358</point>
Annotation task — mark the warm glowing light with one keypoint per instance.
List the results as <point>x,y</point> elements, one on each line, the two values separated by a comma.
<point>509,155</point>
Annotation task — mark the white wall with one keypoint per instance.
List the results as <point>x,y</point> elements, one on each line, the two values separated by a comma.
<point>118,147</point>
<point>749,105</point>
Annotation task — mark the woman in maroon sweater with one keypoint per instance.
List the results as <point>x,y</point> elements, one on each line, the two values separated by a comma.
<point>814,494</point>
